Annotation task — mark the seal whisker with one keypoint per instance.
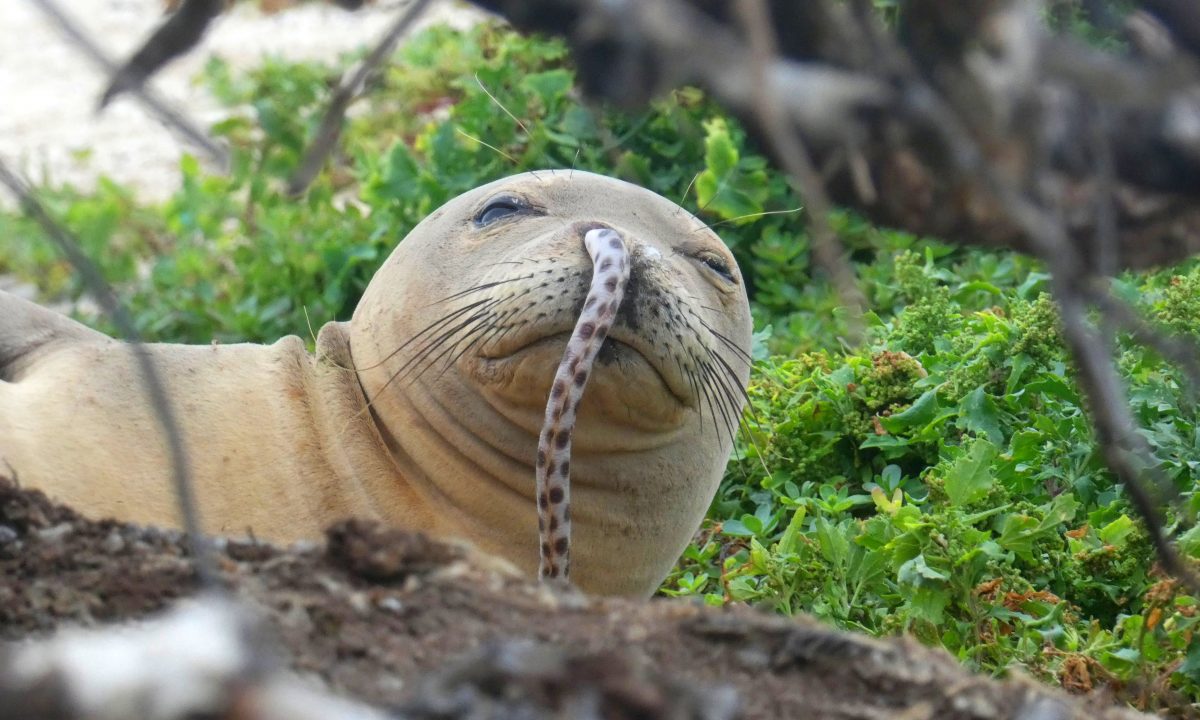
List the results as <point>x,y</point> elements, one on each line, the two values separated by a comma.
<point>493,320</point>
<point>764,213</point>
<point>734,388</point>
<point>505,330</point>
<point>486,304</point>
<point>726,382</point>
<point>431,327</point>
<point>730,374</point>
<point>476,331</point>
<point>400,373</point>
<point>688,189</point>
<point>480,288</point>
<point>737,349</point>
<point>720,397</point>
<point>494,332</point>
<point>729,395</point>
<point>424,352</point>
<point>487,145</point>
<point>425,358</point>
<point>708,399</point>
<point>500,104</point>
<point>691,376</point>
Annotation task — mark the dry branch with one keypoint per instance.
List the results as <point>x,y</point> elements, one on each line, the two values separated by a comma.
<point>164,412</point>
<point>1027,96</point>
<point>171,117</point>
<point>178,34</point>
<point>351,85</point>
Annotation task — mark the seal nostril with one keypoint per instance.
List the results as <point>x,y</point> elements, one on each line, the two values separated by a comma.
<point>583,227</point>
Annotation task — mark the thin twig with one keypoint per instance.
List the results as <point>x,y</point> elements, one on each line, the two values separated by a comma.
<point>348,89</point>
<point>159,107</point>
<point>179,34</point>
<point>1125,451</point>
<point>1106,241</point>
<point>827,249</point>
<point>1174,349</point>
<point>104,295</point>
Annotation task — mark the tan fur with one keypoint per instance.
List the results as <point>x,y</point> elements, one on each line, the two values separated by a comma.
<point>283,443</point>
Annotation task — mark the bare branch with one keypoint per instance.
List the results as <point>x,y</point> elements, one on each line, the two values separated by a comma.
<point>104,295</point>
<point>348,89</point>
<point>827,249</point>
<point>164,112</point>
<point>180,33</point>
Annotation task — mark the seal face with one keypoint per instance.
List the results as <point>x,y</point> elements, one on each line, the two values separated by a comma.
<point>424,411</point>
<point>504,274</point>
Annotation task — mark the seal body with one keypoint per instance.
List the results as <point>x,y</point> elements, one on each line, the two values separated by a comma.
<point>424,410</point>
<point>275,443</point>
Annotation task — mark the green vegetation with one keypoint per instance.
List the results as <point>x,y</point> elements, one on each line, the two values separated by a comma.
<point>940,480</point>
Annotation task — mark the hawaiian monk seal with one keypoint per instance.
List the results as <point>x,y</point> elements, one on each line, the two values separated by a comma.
<point>424,411</point>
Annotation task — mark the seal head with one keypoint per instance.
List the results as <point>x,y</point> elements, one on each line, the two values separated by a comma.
<point>458,336</point>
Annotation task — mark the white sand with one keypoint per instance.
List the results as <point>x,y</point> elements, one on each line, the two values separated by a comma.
<point>48,89</point>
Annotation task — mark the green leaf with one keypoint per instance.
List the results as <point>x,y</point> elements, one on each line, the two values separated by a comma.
<point>919,414</point>
<point>791,536</point>
<point>1191,666</point>
<point>970,478</point>
<point>1021,532</point>
<point>727,187</point>
<point>978,413</point>
<point>1020,363</point>
<point>834,545</point>
<point>736,528</point>
<point>1054,386</point>
<point>929,604</point>
<point>1189,542</point>
<point>1127,655</point>
<point>918,572</point>
<point>550,86</point>
<point>1116,531</point>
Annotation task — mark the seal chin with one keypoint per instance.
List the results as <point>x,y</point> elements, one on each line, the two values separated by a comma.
<point>626,386</point>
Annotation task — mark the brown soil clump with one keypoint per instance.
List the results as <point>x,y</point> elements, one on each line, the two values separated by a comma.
<point>436,631</point>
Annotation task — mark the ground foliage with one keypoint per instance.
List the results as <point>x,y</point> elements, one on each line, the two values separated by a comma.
<point>940,480</point>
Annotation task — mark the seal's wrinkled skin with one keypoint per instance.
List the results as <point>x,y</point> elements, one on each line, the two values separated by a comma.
<point>424,411</point>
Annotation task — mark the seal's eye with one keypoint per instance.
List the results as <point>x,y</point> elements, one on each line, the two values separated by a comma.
<point>717,264</point>
<point>497,208</point>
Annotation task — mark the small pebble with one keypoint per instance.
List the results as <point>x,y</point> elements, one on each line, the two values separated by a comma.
<point>391,604</point>
<point>56,533</point>
<point>113,544</point>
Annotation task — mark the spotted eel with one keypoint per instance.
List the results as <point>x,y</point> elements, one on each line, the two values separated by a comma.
<point>610,274</point>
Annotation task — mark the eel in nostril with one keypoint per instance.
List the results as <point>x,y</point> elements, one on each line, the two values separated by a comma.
<point>610,274</point>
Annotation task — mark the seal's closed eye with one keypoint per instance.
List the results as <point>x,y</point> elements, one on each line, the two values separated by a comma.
<point>717,264</point>
<point>497,208</point>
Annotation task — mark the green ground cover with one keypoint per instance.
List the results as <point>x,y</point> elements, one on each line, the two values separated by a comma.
<point>940,480</point>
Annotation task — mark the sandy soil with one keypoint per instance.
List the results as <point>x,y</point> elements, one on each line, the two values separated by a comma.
<point>437,632</point>
<point>48,89</point>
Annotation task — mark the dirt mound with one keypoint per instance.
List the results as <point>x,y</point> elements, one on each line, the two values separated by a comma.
<point>436,630</point>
